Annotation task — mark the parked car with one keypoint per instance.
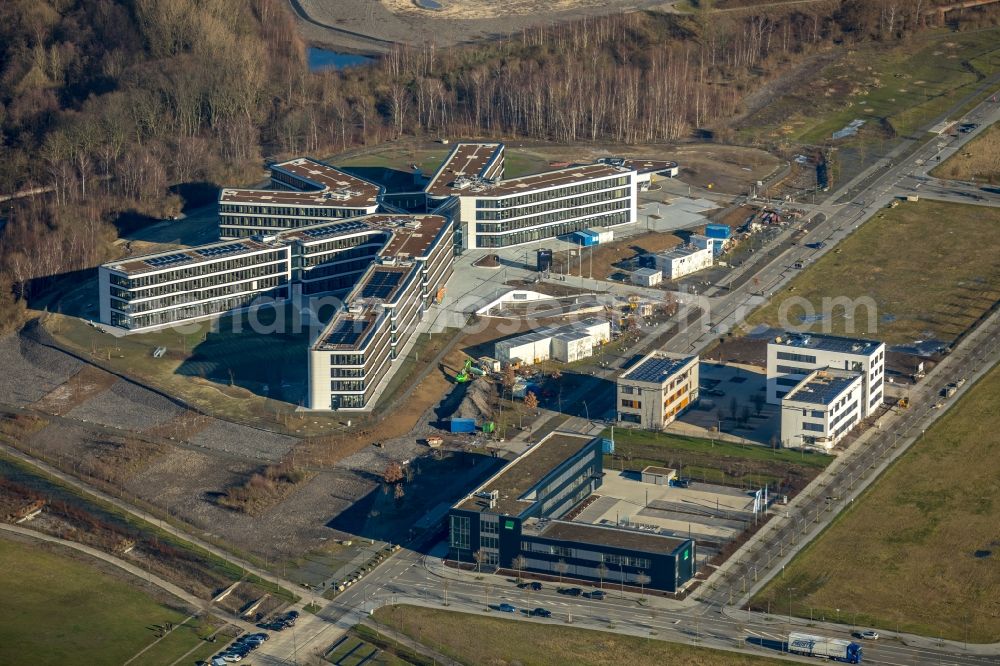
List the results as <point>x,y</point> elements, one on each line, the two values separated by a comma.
<point>570,591</point>
<point>682,482</point>
<point>595,594</point>
<point>540,612</point>
<point>868,635</point>
<point>714,392</point>
<point>506,608</point>
<point>535,586</point>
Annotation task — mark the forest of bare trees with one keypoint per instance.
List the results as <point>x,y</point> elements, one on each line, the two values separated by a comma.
<point>107,104</point>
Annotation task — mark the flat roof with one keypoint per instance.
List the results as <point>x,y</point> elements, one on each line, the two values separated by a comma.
<point>657,368</point>
<point>332,188</point>
<point>346,331</point>
<point>616,537</point>
<point>521,475</point>
<point>653,469</point>
<point>832,343</point>
<point>649,166</point>
<point>646,272</point>
<point>170,259</point>
<point>538,181</point>
<point>469,160</point>
<point>822,387</point>
<point>682,251</point>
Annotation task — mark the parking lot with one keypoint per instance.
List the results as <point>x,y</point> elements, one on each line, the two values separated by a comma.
<point>732,401</point>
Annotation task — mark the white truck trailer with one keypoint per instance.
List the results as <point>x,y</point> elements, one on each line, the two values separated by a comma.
<point>820,646</point>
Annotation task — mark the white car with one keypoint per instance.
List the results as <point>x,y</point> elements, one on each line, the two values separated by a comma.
<point>869,635</point>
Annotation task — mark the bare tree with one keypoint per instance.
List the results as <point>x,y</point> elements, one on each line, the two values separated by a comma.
<point>479,556</point>
<point>643,579</point>
<point>519,563</point>
<point>602,572</point>
<point>561,568</point>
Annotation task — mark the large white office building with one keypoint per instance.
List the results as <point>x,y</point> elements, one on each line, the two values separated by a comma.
<point>791,357</point>
<point>494,212</point>
<point>393,267</point>
<point>822,408</point>
<point>357,352</point>
<point>303,192</point>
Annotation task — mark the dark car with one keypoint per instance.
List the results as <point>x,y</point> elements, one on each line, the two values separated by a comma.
<point>570,591</point>
<point>540,612</point>
<point>535,585</point>
<point>718,393</point>
<point>506,608</point>
<point>595,594</point>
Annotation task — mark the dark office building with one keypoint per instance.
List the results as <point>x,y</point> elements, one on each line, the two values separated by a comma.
<point>518,511</point>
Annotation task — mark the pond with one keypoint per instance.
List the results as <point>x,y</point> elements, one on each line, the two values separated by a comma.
<point>428,4</point>
<point>320,59</point>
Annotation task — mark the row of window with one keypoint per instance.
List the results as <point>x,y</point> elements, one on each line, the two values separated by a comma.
<point>792,370</point>
<point>798,358</point>
<point>200,295</point>
<point>551,218</point>
<point>244,211</point>
<point>191,312</point>
<point>839,417</point>
<point>551,231</point>
<point>570,190</point>
<point>813,427</point>
<point>202,269</point>
<point>552,204</point>
<point>282,219</point>
<point>632,404</point>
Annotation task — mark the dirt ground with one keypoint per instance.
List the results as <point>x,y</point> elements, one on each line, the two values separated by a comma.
<point>620,258</point>
<point>369,25</point>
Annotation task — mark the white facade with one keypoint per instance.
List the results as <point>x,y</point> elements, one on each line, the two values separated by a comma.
<point>534,208</point>
<point>790,358</point>
<point>822,408</point>
<point>564,343</point>
<point>683,261</point>
<point>647,277</point>
<point>569,347</point>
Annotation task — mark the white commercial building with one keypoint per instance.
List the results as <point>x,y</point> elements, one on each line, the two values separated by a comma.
<point>683,260</point>
<point>793,356</point>
<point>654,391</point>
<point>494,212</point>
<point>647,277</point>
<point>822,408</point>
<point>304,192</point>
<point>564,343</point>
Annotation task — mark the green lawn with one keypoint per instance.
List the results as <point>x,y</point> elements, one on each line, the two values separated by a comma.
<point>920,550</point>
<point>475,639</point>
<point>905,86</point>
<point>929,268</point>
<point>58,610</point>
<point>726,463</point>
<point>353,651</point>
<point>516,163</point>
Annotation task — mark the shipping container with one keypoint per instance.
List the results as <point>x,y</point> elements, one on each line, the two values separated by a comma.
<point>463,425</point>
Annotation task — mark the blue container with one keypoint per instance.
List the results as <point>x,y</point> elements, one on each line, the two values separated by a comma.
<point>607,446</point>
<point>585,238</point>
<point>463,425</point>
<point>718,231</point>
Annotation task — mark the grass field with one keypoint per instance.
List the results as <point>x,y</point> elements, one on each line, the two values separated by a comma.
<point>979,160</point>
<point>353,651</point>
<point>62,611</point>
<point>906,553</point>
<point>728,463</point>
<point>905,87</point>
<point>930,268</point>
<point>511,642</point>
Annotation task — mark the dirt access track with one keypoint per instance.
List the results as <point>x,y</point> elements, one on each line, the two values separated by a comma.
<point>374,25</point>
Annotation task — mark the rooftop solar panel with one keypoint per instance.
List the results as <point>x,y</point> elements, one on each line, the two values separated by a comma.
<point>346,332</point>
<point>380,284</point>
<point>333,230</point>
<point>655,369</point>
<point>220,250</point>
<point>166,260</point>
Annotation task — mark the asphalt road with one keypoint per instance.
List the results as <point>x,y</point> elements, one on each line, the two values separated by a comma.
<point>712,618</point>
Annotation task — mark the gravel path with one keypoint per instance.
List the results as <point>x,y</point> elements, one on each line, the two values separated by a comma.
<point>243,440</point>
<point>127,405</point>
<point>29,370</point>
